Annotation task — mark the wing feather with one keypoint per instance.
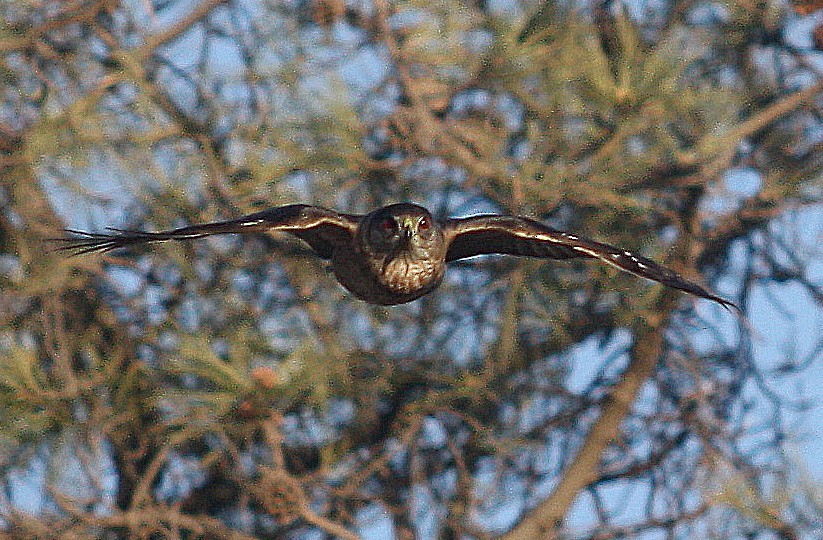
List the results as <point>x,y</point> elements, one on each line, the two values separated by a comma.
<point>321,228</point>
<point>525,237</point>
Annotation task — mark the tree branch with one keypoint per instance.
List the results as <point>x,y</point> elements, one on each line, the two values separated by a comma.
<point>546,520</point>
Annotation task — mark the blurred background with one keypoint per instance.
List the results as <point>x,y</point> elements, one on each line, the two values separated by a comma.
<point>229,388</point>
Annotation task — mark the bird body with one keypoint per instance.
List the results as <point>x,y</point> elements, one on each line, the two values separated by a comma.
<point>400,256</point>
<point>398,253</point>
<point>386,281</point>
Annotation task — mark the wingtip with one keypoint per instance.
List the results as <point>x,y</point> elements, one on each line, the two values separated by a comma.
<point>727,305</point>
<point>82,243</point>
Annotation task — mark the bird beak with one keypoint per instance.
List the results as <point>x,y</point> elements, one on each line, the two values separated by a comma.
<point>409,225</point>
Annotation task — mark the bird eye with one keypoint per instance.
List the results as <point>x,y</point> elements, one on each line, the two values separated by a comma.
<point>388,225</point>
<point>424,224</point>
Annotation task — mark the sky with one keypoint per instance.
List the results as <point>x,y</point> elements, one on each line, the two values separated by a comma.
<point>782,316</point>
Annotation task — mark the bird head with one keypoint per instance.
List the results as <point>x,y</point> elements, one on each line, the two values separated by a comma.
<point>402,229</point>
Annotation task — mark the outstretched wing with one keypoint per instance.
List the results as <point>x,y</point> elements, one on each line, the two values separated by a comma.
<point>321,228</point>
<point>525,237</point>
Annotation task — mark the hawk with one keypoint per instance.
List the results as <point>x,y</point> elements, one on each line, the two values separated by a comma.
<point>399,253</point>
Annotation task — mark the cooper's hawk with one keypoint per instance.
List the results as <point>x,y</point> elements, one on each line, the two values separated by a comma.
<point>399,253</point>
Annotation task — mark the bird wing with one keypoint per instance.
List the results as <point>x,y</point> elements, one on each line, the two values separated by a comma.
<point>321,228</point>
<point>525,237</point>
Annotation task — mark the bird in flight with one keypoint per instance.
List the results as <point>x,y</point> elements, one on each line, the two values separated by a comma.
<point>399,252</point>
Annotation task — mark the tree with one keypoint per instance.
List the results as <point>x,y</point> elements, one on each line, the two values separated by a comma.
<point>228,388</point>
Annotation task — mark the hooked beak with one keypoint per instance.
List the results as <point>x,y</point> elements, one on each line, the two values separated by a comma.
<point>407,229</point>
<point>408,226</point>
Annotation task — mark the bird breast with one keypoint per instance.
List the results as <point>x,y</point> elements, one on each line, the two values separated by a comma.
<point>405,275</point>
<point>384,280</point>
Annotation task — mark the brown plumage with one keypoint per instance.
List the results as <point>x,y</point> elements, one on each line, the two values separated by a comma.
<point>399,253</point>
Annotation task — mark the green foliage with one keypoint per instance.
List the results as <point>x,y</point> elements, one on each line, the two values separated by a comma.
<point>26,411</point>
<point>242,360</point>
